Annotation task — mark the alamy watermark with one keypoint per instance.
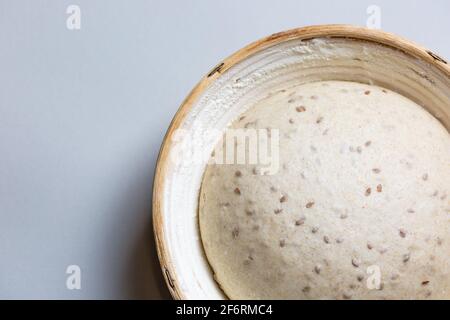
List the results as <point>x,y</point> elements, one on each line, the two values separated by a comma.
<point>73,21</point>
<point>250,146</point>
<point>374,280</point>
<point>374,17</point>
<point>73,281</point>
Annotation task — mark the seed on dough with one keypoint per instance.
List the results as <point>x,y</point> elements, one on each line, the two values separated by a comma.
<point>247,262</point>
<point>344,216</point>
<point>406,257</point>
<point>369,246</point>
<point>237,191</point>
<point>319,120</point>
<point>277,211</point>
<point>238,173</point>
<point>424,283</point>
<point>368,192</point>
<point>315,229</point>
<point>339,240</point>
<point>300,109</point>
<point>300,222</point>
<point>368,143</point>
<point>402,233</point>
<point>376,170</point>
<point>235,233</point>
<point>360,277</point>
<point>250,212</point>
<point>306,289</point>
<point>255,171</point>
<point>250,123</point>
<point>326,239</point>
<point>282,243</point>
<point>283,198</point>
<point>356,262</point>
<point>346,296</point>
<point>291,100</point>
<point>379,188</point>
<point>291,121</point>
<point>309,204</point>
<point>367,92</point>
<point>317,269</point>
<point>425,177</point>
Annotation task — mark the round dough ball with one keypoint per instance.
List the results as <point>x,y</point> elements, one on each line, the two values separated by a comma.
<point>357,207</point>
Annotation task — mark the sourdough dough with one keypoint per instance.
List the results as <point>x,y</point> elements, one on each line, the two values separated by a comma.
<point>358,209</point>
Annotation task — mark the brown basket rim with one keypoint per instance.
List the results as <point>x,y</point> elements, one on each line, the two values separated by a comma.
<point>304,33</point>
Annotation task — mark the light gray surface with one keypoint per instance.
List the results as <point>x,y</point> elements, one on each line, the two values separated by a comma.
<point>83,113</point>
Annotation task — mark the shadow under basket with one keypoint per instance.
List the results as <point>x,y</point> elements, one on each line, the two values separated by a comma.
<point>280,61</point>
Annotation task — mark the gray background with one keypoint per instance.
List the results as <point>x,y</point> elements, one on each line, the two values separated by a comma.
<point>83,113</point>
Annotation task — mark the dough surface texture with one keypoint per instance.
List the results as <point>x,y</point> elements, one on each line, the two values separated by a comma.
<point>358,209</point>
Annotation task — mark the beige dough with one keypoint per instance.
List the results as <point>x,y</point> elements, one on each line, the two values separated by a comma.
<point>359,207</point>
